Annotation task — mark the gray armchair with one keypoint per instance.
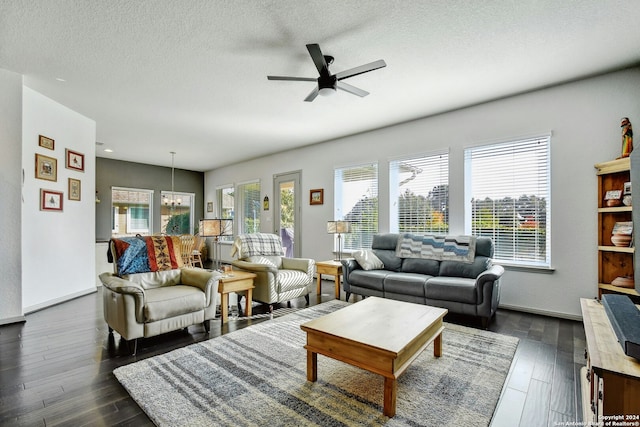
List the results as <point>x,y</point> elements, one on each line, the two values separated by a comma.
<point>279,278</point>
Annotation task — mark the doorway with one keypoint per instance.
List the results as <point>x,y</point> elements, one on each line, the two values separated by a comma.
<point>287,211</point>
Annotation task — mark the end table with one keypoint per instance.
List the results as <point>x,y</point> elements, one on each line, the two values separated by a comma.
<point>234,282</point>
<point>329,267</point>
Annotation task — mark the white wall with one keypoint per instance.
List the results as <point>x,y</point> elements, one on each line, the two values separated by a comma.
<point>584,118</point>
<point>10,186</point>
<point>58,259</point>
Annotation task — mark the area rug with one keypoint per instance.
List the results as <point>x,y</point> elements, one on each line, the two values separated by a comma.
<point>257,376</point>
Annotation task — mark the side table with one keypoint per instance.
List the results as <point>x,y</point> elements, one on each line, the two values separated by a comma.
<point>329,267</point>
<point>235,281</point>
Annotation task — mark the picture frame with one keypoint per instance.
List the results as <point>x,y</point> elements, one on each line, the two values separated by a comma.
<point>613,194</point>
<point>627,188</point>
<point>74,160</point>
<point>209,206</point>
<point>74,190</point>
<point>316,196</point>
<point>46,168</point>
<point>51,200</point>
<point>46,142</point>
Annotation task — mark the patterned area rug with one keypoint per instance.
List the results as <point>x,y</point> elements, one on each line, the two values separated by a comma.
<point>257,376</point>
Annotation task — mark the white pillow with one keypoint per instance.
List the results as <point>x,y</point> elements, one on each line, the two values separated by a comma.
<point>368,260</point>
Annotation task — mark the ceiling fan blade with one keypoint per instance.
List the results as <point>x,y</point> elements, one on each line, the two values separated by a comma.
<point>361,69</point>
<point>351,89</point>
<point>293,79</point>
<point>312,95</point>
<point>318,58</point>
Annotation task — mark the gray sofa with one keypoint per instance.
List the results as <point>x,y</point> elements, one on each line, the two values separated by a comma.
<point>464,288</point>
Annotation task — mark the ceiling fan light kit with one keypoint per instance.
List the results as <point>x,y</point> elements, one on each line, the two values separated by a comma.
<point>327,83</point>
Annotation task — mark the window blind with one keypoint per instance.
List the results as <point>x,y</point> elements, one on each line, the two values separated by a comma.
<point>419,194</point>
<point>356,200</point>
<point>249,207</point>
<point>508,186</point>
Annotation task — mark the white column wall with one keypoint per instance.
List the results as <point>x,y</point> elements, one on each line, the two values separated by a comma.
<point>58,258</point>
<point>584,119</point>
<point>10,192</point>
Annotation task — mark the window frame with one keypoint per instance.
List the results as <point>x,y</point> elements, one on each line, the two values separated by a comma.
<point>540,224</point>
<point>114,209</point>
<point>358,238</point>
<point>241,204</point>
<point>438,158</point>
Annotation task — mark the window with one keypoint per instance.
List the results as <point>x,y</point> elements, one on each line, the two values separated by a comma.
<point>176,212</point>
<point>419,194</point>
<point>508,189</point>
<point>225,200</point>
<point>356,200</point>
<point>132,211</point>
<point>249,207</point>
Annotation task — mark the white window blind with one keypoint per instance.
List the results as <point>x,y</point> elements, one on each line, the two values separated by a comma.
<point>249,207</point>
<point>419,194</point>
<point>508,186</point>
<point>356,200</point>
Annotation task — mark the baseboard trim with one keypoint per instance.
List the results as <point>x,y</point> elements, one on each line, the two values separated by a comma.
<point>60,300</point>
<point>567,316</point>
<point>16,319</point>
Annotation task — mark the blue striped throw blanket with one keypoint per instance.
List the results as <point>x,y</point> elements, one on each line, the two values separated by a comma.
<point>440,248</point>
<point>265,244</point>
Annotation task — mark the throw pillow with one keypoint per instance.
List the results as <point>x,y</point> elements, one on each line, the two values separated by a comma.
<point>368,260</point>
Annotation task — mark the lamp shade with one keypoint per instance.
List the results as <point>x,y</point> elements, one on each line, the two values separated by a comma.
<point>216,227</point>
<point>335,227</point>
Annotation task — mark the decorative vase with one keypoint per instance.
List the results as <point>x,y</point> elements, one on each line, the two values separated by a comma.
<point>621,240</point>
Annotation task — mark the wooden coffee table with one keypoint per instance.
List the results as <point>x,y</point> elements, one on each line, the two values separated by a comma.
<point>380,335</point>
<point>329,267</point>
<point>235,281</point>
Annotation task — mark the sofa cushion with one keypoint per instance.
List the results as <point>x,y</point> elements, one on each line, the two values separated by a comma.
<point>422,266</point>
<point>406,284</point>
<point>372,279</point>
<point>155,279</point>
<point>271,260</point>
<point>461,269</point>
<point>292,279</point>
<point>368,260</point>
<point>163,303</point>
<point>389,259</point>
<point>451,289</point>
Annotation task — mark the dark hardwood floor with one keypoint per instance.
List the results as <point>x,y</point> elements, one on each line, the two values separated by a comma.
<point>56,368</point>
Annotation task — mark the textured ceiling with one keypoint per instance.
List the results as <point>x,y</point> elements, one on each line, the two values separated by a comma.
<point>190,76</point>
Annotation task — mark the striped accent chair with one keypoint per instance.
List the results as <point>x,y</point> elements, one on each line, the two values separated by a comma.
<point>279,278</point>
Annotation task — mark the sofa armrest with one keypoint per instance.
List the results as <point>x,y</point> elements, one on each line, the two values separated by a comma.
<point>254,267</point>
<point>302,264</point>
<point>487,278</point>
<point>120,285</point>
<point>348,265</point>
<point>200,278</point>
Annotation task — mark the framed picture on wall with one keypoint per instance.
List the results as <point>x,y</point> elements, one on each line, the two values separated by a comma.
<point>75,160</point>
<point>316,197</point>
<point>46,168</point>
<point>209,206</point>
<point>46,142</point>
<point>51,200</point>
<point>74,189</point>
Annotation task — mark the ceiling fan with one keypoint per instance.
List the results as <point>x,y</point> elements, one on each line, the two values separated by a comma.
<point>327,82</point>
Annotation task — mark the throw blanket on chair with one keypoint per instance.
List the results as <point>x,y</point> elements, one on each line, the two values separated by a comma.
<point>441,248</point>
<point>265,244</point>
<point>144,254</point>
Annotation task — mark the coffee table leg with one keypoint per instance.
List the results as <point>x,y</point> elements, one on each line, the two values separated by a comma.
<point>390,391</point>
<point>437,345</point>
<point>312,366</point>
